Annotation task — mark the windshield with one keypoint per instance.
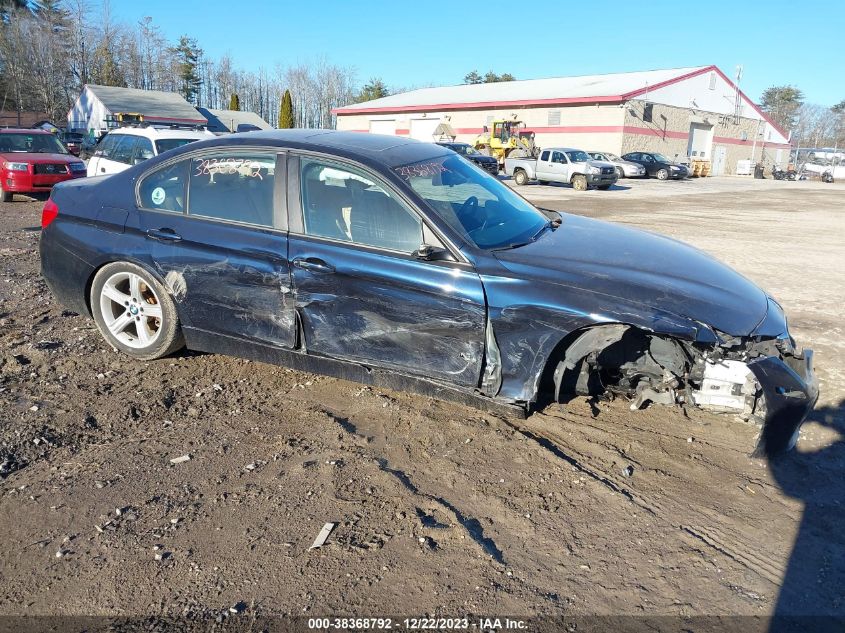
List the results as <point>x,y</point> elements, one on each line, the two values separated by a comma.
<point>660,158</point>
<point>474,203</point>
<point>166,144</point>
<point>577,156</point>
<point>38,143</point>
<point>613,158</point>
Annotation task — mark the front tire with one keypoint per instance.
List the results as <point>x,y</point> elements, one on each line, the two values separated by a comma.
<point>134,312</point>
<point>520,177</point>
<point>620,173</point>
<point>662,174</point>
<point>579,183</point>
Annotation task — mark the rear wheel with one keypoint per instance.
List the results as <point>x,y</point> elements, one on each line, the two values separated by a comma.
<point>134,312</point>
<point>5,196</point>
<point>520,177</point>
<point>579,182</point>
<point>662,174</point>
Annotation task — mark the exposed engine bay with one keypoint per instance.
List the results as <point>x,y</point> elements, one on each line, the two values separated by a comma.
<point>764,381</point>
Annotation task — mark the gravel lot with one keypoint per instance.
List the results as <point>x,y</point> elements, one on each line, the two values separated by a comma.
<point>441,509</point>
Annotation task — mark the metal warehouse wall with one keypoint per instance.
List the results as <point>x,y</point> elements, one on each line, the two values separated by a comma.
<point>669,129</point>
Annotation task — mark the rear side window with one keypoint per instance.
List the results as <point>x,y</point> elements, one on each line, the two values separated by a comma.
<point>164,189</point>
<point>233,186</point>
<point>544,155</point>
<point>122,152</point>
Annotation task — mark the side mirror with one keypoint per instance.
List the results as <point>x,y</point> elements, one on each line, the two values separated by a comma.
<point>430,253</point>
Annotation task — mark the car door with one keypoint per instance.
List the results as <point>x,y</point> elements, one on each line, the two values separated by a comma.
<point>362,292</point>
<point>559,167</point>
<point>118,157</point>
<point>216,229</point>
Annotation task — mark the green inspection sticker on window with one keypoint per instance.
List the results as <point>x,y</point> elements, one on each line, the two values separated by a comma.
<point>158,195</point>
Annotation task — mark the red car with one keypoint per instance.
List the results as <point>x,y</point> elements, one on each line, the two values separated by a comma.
<point>32,161</point>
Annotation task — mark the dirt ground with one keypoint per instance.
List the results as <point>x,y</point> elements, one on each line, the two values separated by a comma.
<point>581,509</point>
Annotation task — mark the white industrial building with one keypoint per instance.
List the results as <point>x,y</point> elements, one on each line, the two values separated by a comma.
<point>681,112</point>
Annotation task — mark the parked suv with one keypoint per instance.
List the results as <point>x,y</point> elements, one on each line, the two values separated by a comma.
<point>487,163</point>
<point>32,161</point>
<point>658,165</point>
<point>124,147</point>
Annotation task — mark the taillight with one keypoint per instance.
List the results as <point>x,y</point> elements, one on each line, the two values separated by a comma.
<point>49,213</point>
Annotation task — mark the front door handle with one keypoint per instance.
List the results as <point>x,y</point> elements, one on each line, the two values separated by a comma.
<point>165,235</point>
<point>102,170</point>
<point>313,264</point>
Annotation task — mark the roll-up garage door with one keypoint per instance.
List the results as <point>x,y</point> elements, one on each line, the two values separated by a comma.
<point>423,129</point>
<point>383,127</point>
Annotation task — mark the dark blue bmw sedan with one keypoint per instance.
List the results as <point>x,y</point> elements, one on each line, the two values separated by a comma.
<point>389,261</point>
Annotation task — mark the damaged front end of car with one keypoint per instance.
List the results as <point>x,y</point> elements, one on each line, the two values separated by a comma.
<point>761,378</point>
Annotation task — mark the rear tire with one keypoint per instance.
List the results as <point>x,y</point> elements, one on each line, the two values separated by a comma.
<point>579,183</point>
<point>520,177</point>
<point>134,312</point>
<point>662,174</point>
<point>5,196</point>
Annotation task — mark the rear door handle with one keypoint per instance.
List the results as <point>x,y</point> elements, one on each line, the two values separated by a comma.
<point>165,235</point>
<point>313,264</point>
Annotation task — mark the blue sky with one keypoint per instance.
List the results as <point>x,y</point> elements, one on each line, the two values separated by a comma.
<point>438,42</point>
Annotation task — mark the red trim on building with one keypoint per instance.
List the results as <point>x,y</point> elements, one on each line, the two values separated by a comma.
<point>402,132</point>
<point>647,131</point>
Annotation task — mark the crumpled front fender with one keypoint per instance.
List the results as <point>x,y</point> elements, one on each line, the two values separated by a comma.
<point>790,390</point>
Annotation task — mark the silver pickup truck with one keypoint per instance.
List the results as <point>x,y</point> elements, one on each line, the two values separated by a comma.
<point>562,164</point>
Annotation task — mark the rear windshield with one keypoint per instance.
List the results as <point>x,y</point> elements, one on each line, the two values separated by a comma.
<point>167,144</point>
<point>21,142</point>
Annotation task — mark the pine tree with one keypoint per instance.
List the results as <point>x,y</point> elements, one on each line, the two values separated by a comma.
<point>235,102</point>
<point>188,53</point>
<point>286,112</point>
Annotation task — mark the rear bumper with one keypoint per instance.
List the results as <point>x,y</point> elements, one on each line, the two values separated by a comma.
<point>790,389</point>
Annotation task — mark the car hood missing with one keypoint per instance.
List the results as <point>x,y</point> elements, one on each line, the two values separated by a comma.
<point>643,269</point>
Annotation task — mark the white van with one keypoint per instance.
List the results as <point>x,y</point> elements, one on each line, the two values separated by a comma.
<point>124,147</point>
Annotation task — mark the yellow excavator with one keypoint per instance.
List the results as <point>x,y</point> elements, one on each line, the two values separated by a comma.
<point>507,138</point>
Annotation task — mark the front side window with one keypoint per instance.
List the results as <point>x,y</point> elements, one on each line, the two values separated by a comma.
<point>122,152</point>
<point>143,150</point>
<point>164,189</point>
<point>477,205</point>
<point>346,204</point>
<point>557,157</point>
<point>233,186</point>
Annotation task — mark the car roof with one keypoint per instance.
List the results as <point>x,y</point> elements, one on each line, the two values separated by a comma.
<point>154,132</point>
<point>23,130</point>
<point>363,146</point>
